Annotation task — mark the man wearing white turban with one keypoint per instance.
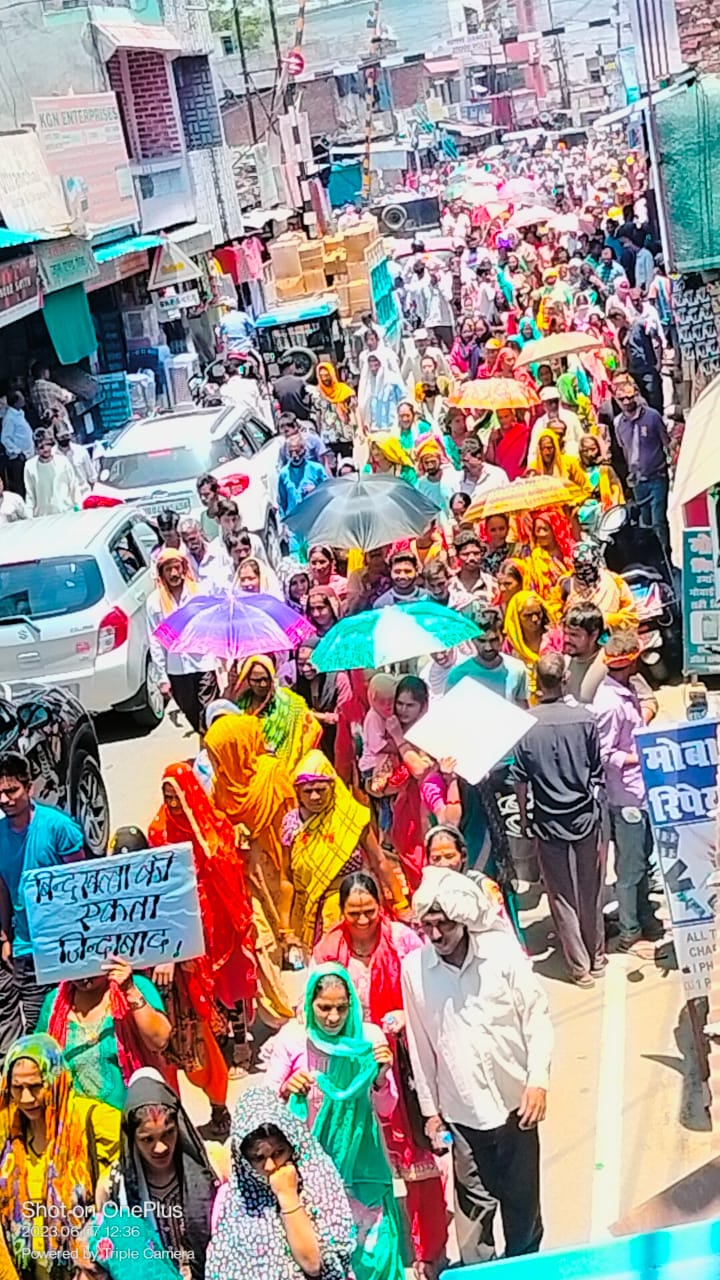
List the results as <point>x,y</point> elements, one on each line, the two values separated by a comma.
<point>480,1042</point>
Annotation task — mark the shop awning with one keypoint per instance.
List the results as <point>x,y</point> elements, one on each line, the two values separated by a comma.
<point>135,244</point>
<point>194,238</point>
<point>442,66</point>
<point>11,239</point>
<point>134,35</point>
<point>256,219</point>
<point>69,323</point>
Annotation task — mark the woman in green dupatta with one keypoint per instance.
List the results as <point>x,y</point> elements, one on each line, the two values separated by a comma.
<point>349,1062</point>
<point>288,725</point>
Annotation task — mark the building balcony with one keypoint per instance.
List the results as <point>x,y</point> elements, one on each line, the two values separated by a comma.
<point>164,192</point>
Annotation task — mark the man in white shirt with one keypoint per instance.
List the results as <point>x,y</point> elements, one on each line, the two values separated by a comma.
<point>440,318</point>
<point>478,475</point>
<point>418,290</point>
<point>51,485</point>
<point>17,440</point>
<point>78,457</point>
<point>210,569</point>
<point>415,348</point>
<point>189,677</point>
<point>480,1041</point>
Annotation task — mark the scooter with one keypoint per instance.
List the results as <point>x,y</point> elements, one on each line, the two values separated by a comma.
<point>636,552</point>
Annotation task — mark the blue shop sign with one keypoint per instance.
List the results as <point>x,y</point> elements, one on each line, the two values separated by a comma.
<point>679,764</point>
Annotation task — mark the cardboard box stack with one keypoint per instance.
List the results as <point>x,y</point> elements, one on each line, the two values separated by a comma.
<point>335,265</point>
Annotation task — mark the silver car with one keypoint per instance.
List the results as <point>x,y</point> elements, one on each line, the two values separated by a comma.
<point>73,589</point>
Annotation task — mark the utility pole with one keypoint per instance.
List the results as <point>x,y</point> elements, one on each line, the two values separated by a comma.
<point>371,70</point>
<point>288,92</point>
<point>560,63</point>
<point>246,75</point>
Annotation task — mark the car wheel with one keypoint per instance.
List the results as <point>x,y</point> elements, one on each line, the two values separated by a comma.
<point>273,546</point>
<point>153,710</point>
<point>89,802</point>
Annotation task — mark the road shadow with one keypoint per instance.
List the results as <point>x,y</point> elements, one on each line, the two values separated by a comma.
<point>693,1112</point>
<point>113,726</point>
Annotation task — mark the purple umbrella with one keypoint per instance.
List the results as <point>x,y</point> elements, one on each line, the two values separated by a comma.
<point>235,625</point>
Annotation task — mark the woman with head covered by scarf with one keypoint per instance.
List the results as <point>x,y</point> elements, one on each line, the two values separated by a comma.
<point>371,945</point>
<point>335,1072</point>
<point>591,582</point>
<point>480,1042</point>
<point>54,1145</point>
<point>338,410</point>
<point>254,792</point>
<point>284,1214</point>
<point>288,725</point>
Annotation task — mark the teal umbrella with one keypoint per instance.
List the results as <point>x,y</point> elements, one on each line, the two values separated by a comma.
<point>381,637</point>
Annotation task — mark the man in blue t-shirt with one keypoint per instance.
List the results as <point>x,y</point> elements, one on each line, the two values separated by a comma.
<point>32,835</point>
<point>499,673</point>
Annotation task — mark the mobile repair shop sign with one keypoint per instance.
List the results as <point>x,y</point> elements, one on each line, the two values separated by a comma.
<point>679,765</point>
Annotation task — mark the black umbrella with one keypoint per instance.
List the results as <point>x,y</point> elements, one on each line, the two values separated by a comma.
<point>365,513</point>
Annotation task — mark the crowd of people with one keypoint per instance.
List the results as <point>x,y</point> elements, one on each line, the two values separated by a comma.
<point>325,840</point>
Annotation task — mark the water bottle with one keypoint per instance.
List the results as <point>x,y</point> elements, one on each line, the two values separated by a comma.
<point>447,1139</point>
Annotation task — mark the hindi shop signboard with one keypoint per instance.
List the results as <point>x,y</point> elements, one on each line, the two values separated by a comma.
<point>679,765</point>
<point>84,145</point>
<point>142,907</point>
<point>19,289</point>
<point>66,262</point>
<point>700,611</point>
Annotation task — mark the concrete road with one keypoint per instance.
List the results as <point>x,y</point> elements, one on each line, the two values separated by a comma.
<point>626,1114</point>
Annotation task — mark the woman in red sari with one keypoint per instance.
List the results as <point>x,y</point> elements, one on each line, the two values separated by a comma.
<point>371,947</point>
<point>208,992</point>
<point>550,559</point>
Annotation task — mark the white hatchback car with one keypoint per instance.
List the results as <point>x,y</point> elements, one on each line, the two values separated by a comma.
<point>73,589</point>
<point>155,463</point>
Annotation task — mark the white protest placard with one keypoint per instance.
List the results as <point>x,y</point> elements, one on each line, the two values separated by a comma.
<point>142,907</point>
<point>471,725</point>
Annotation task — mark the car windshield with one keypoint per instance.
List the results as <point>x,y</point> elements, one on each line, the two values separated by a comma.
<point>48,588</point>
<point>164,466</point>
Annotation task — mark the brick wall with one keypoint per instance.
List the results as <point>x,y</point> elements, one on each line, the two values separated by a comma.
<point>699,32</point>
<point>152,102</point>
<point>409,85</point>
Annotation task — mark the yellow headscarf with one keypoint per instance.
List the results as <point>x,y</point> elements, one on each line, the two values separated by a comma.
<point>250,787</point>
<point>514,632</point>
<point>324,845</point>
<point>390,447</point>
<point>338,391</point>
<point>563,465</point>
<point>168,556</point>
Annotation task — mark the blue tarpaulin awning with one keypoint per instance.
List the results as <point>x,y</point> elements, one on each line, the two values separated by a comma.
<point>10,239</point>
<point>135,244</point>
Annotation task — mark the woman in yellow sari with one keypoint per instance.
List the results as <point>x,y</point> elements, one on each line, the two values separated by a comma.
<point>288,725</point>
<point>549,460</point>
<point>328,836</point>
<point>606,490</point>
<point>526,624</point>
<point>254,791</point>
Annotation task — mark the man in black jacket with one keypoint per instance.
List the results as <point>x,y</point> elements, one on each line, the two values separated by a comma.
<point>560,760</point>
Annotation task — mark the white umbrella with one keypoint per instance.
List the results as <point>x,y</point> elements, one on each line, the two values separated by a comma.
<point>527,217</point>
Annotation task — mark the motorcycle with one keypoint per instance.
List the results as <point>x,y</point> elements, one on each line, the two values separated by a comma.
<point>635,551</point>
